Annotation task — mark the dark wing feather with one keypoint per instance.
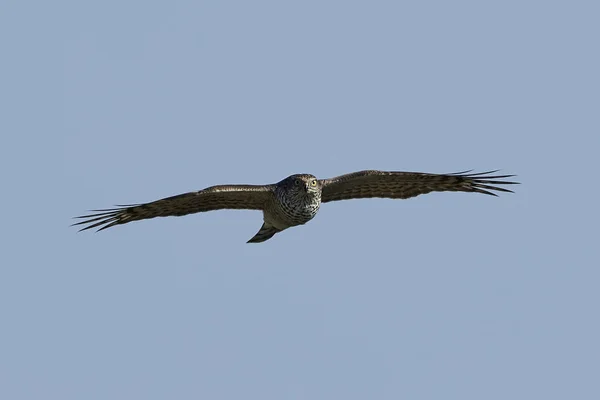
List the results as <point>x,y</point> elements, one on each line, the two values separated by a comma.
<point>403,185</point>
<point>249,197</point>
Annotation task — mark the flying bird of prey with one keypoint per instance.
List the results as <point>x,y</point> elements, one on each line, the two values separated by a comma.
<point>296,199</point>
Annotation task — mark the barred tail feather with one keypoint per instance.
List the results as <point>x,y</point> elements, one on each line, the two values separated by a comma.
<point>266,232</point>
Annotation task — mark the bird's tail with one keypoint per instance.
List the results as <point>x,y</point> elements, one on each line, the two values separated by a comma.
<point>266,232</point>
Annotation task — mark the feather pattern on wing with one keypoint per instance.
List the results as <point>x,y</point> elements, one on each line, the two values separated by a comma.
<point>403,185</point>
<point>250,197</point>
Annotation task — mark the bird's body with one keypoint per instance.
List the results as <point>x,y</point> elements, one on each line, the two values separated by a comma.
<point>296,199</point>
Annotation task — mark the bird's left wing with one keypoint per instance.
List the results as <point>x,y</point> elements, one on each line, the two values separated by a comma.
<point>403,185</point>
<point>251,197</point>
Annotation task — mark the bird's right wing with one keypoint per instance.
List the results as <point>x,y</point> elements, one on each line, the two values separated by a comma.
<point>250,197</point>
<point>403,185</point>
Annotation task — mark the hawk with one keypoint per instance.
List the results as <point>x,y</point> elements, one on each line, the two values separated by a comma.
<point>296,199</point>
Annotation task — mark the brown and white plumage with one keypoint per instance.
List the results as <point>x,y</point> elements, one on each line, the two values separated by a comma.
<point>403,185</point>
<point>250,197</point>
<point>296,199</point>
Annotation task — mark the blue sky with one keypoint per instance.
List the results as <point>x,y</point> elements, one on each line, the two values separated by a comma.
<point>448,295</point>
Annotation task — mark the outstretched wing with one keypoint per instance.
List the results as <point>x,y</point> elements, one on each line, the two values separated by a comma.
<point>249,197</point>
<point>403,185</point>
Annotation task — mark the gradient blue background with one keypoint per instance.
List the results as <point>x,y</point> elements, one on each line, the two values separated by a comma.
<point>446,296</point>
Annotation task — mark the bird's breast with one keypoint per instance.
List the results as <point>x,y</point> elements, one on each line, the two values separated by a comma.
<point>299,210</point>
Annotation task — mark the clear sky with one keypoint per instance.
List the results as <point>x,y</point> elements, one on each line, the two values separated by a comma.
<point>444,296</point>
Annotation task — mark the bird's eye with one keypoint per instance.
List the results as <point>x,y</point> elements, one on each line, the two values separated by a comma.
<point>314,182</point>
<point>297,182</point>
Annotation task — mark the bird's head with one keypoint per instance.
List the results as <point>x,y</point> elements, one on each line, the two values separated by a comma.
<point>302,184</point>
